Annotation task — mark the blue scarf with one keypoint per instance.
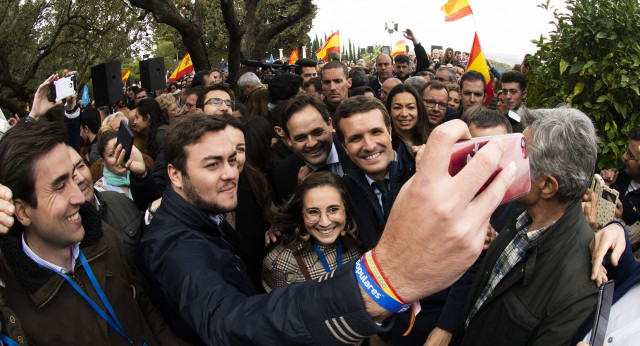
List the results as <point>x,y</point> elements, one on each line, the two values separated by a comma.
<point>116,180</point>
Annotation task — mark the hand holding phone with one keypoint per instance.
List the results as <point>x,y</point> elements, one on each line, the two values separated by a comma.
<point>515,150</point>
<point>607,199</point>
<point>62,88</point>
<point>125,138</point>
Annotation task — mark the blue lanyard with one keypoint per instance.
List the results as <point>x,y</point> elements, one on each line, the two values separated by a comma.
<point>5,339</point>
<point>112,319</point>
<point>323,260</point>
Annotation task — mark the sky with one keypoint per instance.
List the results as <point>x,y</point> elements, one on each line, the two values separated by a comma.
<point>505,27</point>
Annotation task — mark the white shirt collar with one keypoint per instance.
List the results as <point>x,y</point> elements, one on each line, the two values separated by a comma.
<point>75,252</point>
<point>395,158</point>
<point>331,159</point>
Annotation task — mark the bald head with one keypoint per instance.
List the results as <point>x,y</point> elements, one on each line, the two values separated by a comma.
<point>386,88</point>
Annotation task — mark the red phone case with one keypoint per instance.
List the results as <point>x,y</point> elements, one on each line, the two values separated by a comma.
<point>515,149</point>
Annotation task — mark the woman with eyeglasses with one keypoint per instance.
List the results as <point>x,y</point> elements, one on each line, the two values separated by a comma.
<point>408,115</point>
<point>216,99</point>
<point>318,232</point>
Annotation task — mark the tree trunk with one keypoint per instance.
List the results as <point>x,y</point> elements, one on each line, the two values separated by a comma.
<point>164,11</point>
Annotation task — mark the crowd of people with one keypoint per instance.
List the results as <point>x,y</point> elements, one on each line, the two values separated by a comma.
<point>315,209</point>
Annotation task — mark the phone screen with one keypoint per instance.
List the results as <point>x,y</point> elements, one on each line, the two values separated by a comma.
<point>605,299</point>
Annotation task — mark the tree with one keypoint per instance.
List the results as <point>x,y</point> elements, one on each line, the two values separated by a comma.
<point>40,37</point>
<point>251,26</point>
<point>590,61</point>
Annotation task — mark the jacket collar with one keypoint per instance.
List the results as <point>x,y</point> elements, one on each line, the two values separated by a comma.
<point>39,282</point>
<point>193,217</point>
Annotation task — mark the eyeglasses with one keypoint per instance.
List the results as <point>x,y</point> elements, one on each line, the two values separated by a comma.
<point>188,105</point>
<point>432,104</point>
<point>312,216</point>
<point>217,102</point>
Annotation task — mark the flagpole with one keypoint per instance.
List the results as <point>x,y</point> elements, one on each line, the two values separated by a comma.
<point>476,26</point>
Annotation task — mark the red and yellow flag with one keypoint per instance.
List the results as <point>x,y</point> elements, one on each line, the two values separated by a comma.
<point>125,75</point>
<point>477,62</point>
<point>331,46</point>
<point>183,69</point>
<point>400,48</point>
<point>293,57</point>
<point>456,9</point>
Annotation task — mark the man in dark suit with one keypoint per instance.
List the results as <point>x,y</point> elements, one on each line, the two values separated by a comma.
<point>308,131</point>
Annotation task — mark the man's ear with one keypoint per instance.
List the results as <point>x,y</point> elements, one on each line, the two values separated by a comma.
<point>549,187</point>
<point>524,94</point>
<point>22,212</point>
<point>331,124</point>
<point>175,176</point>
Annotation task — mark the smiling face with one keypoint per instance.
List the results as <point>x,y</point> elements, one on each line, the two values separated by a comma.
<point>109,158</point>
<point>309,135</point>
<point>55,223</point>
<point>213,109</point>
<point>367,141</point>
<point>211,174</point>
<point>82,175</point>
<point>325,204</point>
<point>404,112</point>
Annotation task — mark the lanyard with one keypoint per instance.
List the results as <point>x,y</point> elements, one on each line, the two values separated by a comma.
<point>5,339</point>
<point>323,260</point>
<point>111,318</point>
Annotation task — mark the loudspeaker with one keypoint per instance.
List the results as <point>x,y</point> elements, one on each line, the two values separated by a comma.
<point>107,83</point>
<point>152,74</point>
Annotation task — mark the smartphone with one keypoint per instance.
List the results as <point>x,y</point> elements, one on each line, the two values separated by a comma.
<point>125,137</point>
<point>62,88</point>
<point>607,199</point>
<point>515,149</point>
<point>601,320</point>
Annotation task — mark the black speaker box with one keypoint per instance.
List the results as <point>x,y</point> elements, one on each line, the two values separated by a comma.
<point>107,83</point>
<point>152,74</point>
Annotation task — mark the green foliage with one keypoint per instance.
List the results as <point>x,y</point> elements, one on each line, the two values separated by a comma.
<point>590,61</point>
<point>168,52</point>
<point>39,37</point>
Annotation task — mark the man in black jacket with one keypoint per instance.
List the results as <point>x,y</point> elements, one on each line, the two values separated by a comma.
<point>308,131</point>
<point>385,163</point>
<point>535,279</point>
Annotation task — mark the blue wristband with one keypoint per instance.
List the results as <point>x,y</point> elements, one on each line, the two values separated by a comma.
<point>375,292</point>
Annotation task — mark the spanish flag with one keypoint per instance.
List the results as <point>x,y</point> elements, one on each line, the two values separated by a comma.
<point>125,75</point>
<point>331,46</point>
<point>400,48</point>
<point>293,57</point>
<point>477,62</point>
<point>183,69</point>
<point>456,9</point>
